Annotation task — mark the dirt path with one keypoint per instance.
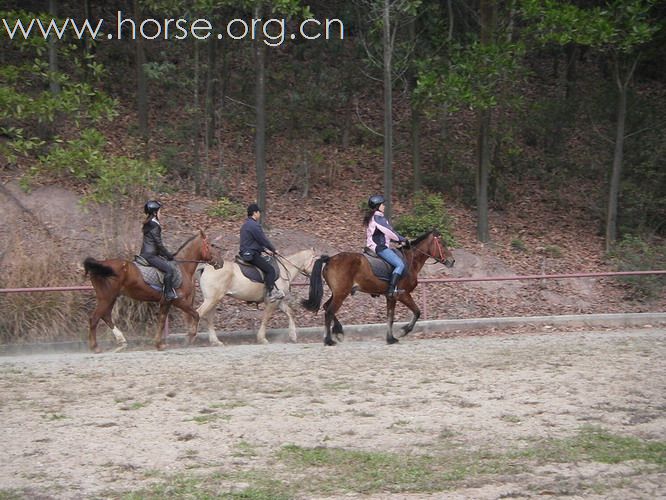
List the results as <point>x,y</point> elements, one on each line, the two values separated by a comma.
<point>82,426</point>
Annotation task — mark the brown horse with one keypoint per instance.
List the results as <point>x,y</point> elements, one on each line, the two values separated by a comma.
<point>348,272</point>
<point>114,277</point>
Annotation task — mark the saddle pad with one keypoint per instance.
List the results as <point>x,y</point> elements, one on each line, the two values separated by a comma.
<point>380,267</point>
<point>253,273</point>
<point>155,278</point>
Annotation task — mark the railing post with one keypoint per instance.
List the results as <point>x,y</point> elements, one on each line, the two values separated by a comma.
<point>424,307</point>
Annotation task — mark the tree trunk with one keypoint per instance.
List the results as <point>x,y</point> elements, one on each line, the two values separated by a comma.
<point>388,107</point>
<point>572,53</point>
<point>260,126</point>
<point>142,82</point>
<point>482,175</point>
<point>415,121</point>
<point>618,156</point>
<point>54,86</point>
<point>86,44</point>
<point>487,19</point>
<point>211,90</point>
<point>196,142</point>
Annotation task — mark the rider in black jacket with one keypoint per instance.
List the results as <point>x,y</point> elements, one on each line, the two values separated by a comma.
<point>154,251</point>
<point>253,242</point>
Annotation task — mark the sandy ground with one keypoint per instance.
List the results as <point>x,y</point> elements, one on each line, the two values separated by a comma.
<point>82,425</point>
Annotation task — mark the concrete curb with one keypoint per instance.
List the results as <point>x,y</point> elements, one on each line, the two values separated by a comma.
<point>369,331</point>
<point>378,330</point>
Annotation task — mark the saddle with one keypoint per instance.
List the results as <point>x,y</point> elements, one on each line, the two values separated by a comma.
<point>252,272</point>
<point>380,268</point>
<point>153,276</point>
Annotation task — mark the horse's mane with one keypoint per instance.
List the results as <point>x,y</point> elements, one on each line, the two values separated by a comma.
<point>423,237</point>
<point>185,244</point>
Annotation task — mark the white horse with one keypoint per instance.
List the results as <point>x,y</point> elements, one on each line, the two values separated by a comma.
<point>229,280</point>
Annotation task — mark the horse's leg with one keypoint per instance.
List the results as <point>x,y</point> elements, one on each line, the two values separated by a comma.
<point>268,312</point>
<point>328,340</point>
<point>213,290</point>
<point>160,342</point>
<point>332,306</point>
<point>285,308</point>
<point>407,299</point>
<point>207,312</point>
<point>194,315</point>
<point>390,314</point>
<point>337,329</point>
<point>103,311</point>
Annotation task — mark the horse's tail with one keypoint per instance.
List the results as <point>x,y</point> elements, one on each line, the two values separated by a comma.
<point>313,302</point>
<point>96,268</point>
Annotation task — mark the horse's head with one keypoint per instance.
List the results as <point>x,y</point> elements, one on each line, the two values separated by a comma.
<point>431,244</point>
<point>206,252</point>
<point>196,248</point>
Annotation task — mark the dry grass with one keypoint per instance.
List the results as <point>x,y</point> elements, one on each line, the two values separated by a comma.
<point>56,316</point>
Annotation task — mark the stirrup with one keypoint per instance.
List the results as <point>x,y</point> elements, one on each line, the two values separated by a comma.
<point>275,294</point>
<point>170,295</point>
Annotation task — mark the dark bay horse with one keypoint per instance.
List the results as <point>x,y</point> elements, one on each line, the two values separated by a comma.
<point>114,277</point>
<point>348,272</point>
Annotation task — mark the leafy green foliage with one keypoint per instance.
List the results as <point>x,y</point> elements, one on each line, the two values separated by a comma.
<point>31,112</point>
<point>108,177</point>
<point>226,209</point>
<point>427,214</point>
<point>621,25</point>
<point>472,75</point>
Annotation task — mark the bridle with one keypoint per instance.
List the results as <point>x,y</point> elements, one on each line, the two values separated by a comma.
<point>440,250</point>
<point>205,250</point>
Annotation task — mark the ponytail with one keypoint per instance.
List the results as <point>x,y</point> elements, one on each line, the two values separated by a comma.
<point>368,216</point>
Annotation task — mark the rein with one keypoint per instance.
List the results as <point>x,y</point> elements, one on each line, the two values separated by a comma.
<point>439,259</point>
<point>281,258</point>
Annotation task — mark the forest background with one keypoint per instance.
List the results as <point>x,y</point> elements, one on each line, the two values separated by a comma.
<point>530,132</point>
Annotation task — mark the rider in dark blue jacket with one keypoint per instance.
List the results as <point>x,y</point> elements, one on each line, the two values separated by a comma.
<point>253,242</point>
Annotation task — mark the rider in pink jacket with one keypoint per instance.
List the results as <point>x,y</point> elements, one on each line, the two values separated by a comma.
<point>379,234</point>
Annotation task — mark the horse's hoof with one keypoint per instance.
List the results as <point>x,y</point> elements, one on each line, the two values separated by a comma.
<point>262,341</point>
<point>161,347</point>
<point>330,342</point>
<point>392,340</point>
<point>96,350</point>
<point>121,347</point>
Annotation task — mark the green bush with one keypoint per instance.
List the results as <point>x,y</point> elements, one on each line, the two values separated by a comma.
<point>634,253</point>
<point>428,213</point>
<point>226,209</point>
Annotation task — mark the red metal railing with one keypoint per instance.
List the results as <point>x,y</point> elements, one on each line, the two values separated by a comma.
<point>422,280</point>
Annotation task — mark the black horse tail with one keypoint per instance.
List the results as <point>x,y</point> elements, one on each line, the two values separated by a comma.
<point>96,268</point>
<point>313,302</point>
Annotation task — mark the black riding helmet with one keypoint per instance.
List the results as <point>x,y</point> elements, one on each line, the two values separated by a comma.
<point>151,207</point>
<point>375,201</point>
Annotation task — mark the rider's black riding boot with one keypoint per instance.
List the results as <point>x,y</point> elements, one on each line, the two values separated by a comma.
<point>393,285</point>
<point>169,292</point>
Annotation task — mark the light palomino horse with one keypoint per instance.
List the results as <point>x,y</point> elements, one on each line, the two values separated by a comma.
<point>229,281</point>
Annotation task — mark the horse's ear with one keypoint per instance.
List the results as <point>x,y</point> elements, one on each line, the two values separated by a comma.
<point>202,232</point>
